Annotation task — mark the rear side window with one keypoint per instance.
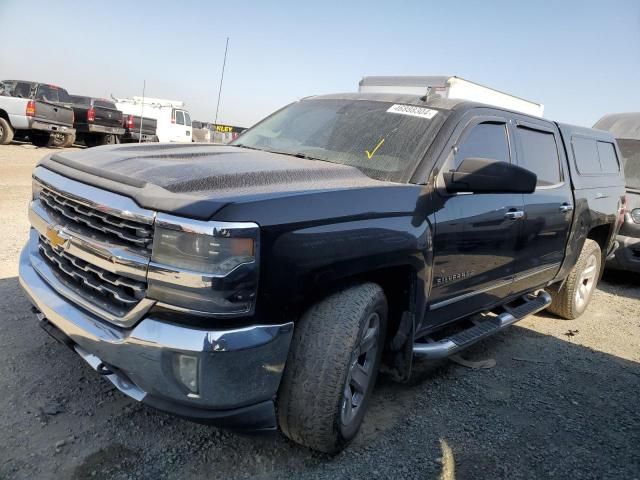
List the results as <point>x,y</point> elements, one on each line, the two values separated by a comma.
<point>104,104</point>
<point>539,154</point>
<point>608,159</point>
<point>22,90</point>
<point>594,157</point>
<point>486,140</point>
<point>179,117</point>
<point>586,156</point>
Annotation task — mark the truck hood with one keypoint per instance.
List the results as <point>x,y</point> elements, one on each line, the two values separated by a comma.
<point>196,180</point>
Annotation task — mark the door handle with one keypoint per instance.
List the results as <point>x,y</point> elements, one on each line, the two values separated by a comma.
<point>566,207</point>
<point>514,214</point>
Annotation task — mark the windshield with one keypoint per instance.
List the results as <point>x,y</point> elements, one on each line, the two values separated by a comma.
<point>630,150</point>
<point>384,140</point>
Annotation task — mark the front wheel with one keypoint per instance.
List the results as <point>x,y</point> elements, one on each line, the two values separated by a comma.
<point>332,368</point>
<point>571,300</point>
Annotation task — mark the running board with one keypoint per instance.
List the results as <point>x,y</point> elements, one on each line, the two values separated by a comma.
<point>461,340</point>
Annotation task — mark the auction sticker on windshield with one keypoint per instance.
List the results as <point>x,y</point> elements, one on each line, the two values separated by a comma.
<point>413,111</point>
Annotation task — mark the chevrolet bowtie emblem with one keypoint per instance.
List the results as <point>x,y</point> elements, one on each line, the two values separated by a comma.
<point>56,239</point>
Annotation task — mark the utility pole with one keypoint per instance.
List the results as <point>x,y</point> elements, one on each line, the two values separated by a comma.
<point>144,87</point>
<point>224,62</point>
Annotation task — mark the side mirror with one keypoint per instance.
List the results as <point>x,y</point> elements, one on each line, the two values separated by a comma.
<point>483,175</point>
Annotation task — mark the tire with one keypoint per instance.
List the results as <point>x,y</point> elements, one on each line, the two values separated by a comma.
<point>571,300</point>
<point>40,139</point>
<point>108,139</point>
<point>323,366</point>
<point>6,132</point>
<point>62,140</point>
<point>71,139</point>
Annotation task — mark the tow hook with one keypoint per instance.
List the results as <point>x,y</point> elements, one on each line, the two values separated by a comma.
<point>102,369</point>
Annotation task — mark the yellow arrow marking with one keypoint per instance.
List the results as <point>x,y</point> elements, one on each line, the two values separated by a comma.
<point>369,155</point>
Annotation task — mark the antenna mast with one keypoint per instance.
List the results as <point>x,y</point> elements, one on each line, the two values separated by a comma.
<point>224,63</point>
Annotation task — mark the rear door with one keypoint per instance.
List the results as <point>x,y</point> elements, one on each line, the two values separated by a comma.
<point>51,104</point>
<point>548,210</point>
<point>475,235</point>
<point>107,114</point>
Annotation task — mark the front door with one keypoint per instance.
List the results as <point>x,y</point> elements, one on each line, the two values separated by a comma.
<point>475,235</point>
<point>548,210</point>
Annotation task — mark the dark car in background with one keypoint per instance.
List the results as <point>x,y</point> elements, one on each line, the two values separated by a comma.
<point>625,127</point>
<point>97,120</point>
<point>139,129</point>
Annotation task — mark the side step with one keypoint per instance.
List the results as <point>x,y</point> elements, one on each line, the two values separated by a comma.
<point>461,340</point>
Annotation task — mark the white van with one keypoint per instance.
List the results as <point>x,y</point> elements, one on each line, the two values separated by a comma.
<point>174,121</point>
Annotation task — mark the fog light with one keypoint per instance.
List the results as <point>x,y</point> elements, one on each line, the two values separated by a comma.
<point>185,368</point>
<point>635,215</point>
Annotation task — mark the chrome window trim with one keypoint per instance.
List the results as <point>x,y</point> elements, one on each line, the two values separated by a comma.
<point>93,197</point>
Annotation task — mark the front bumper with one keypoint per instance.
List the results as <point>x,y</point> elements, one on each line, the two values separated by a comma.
<point>239,370</point>
<point>626,256</point>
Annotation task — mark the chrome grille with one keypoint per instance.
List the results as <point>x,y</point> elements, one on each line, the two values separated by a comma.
<point>115,293</point>
<point>124,231</point>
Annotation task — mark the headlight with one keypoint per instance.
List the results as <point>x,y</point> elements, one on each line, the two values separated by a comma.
<point>200,252</point>
<point>204,267</point>
<point>635,215</point>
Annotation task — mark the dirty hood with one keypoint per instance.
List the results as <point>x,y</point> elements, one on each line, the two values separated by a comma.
<point>198,180</point>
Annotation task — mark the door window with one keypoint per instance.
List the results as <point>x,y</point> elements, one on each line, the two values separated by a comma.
<point>179,117</point>
<point>187,119</point>
<point>539,154</point>
<point>486,140</point>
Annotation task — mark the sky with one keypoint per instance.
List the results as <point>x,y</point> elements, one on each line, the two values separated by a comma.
<point>581,59</point>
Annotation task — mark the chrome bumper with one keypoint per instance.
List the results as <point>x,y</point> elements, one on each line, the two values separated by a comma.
<point>237,367</point>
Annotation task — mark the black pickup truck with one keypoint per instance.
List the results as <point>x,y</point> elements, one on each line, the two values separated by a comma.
<point>266,282</point>
<point>97,120</point>
<point>138,129</point>
<point>37,112</point>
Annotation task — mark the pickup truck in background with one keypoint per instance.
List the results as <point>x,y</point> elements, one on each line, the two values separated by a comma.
<point>625,127</point>
<point>37,112</point>
<point>97,121</point>
<point>265,282</point>
<point>138,129</point>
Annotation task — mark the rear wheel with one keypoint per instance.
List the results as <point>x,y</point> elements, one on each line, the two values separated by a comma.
<point>571,300</point>
<point>6,132</point>
<point>41,139</point>
<point>332,368</point>
<point>108,140</point>
<point>63,140</point>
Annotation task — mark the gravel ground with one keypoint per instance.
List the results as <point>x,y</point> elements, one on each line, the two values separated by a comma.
<point>561,401</point>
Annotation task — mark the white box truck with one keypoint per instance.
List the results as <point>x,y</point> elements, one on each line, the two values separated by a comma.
<point>174,121</point>
<point>449,87</point>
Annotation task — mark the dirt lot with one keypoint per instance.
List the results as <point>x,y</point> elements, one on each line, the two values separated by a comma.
<point>561,402</point>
